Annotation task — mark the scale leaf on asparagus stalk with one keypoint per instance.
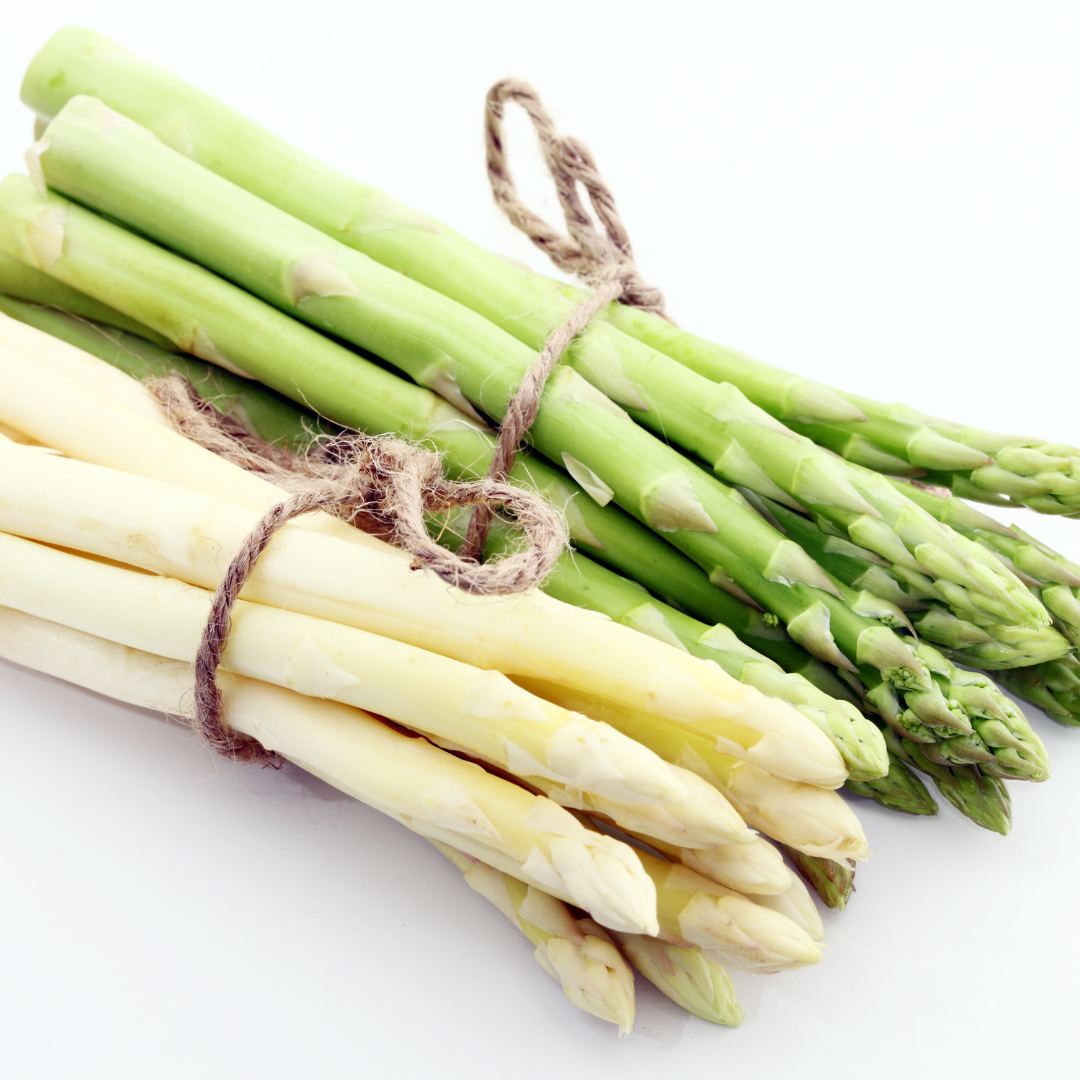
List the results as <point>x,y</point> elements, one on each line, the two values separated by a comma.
<point>430,791</point>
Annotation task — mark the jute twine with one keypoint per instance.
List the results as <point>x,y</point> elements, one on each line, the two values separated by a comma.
<point>386,486</point>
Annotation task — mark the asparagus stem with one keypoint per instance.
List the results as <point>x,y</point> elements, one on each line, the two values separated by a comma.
<point>427,789</point>
<point>984,799</point>
<point>573,759</point>
<point>834,882</point>
<point>686,976</point>
<point>900,789</point>
<point>255,407</point>
<point>656,483</point>
<point>375,589</point>
<point>1053,687</point>
<point>577,953</point>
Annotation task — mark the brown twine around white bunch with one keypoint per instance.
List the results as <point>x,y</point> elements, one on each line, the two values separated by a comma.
<point>602,260</point>
<point>384,486</point>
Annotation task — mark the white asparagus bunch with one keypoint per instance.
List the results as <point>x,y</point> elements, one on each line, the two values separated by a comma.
<point>430,791</point>
<point>482,712</point>
<point>803,816</point>
<point>577,953</point>
<point>183,534</point>
<point>530,635</point>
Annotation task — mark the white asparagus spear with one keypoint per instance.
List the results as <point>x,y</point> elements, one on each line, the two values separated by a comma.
<point>809,818</point>
<point>797,904</point>
<point>481,711</point>
<point>96,413</point>
<point>755,869</point>
<point>576,953</point>
<point>435,793</point>
<point>686,975</point>
<point>694,910</point>
<point>173,531</point>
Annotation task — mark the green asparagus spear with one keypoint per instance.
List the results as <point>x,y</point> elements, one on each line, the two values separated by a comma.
<point>833,881</point>
<point>900,789</point>
<point>1054,687</point>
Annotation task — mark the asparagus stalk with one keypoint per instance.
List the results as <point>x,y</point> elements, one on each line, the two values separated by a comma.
<point>754,869</point>
<point>657,484</point>
<point>22,283</point>
<point>1054,578</point>
<point>184,534</point>
<point>982,798</point>
<point>573,759</point>
<point>686,976</point>
<point>254,407</point>
<point>834,882</point>
<point>980,643</point>
<point>900,789</point>
<point>577,953</point>
<point>1053,687</point>
<point>796,904</point>
<point>77,61</point>
<point>694,910</point>
<point>427,789</point>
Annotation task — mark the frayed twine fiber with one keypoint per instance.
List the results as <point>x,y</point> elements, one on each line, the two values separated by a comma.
<point>385,486</point>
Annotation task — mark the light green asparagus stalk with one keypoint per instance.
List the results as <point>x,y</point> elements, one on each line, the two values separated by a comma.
<point>977,643</point>
<point>254,407</point>
<point>900,789</point>
<point>572,759</point>
<point>78,61</point>
<point>92,154</point>
<point>1053,577</point>
<point>982,798</point>
<point>21,282</point>
<point>834,882</point>
<point>656,483</point>
<point>686,975</point>
<point>428,790</point>
<point>577,953</point>
<point>1053,687</point>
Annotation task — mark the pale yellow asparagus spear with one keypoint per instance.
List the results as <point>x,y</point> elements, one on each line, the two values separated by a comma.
<point>798,905</point>
<point>406,777</point>
<point>187,535</point>
<point>754,869</point>
<point>480,711</point>
<point>686,975</point>
<point>803,816</point>
<point>577,953</point>
<point>696,911</point>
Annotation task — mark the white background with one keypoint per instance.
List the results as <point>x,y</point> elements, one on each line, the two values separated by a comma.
<point>881,195</point>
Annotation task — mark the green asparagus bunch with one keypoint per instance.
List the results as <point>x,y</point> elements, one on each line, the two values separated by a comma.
<point>576,425</point>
